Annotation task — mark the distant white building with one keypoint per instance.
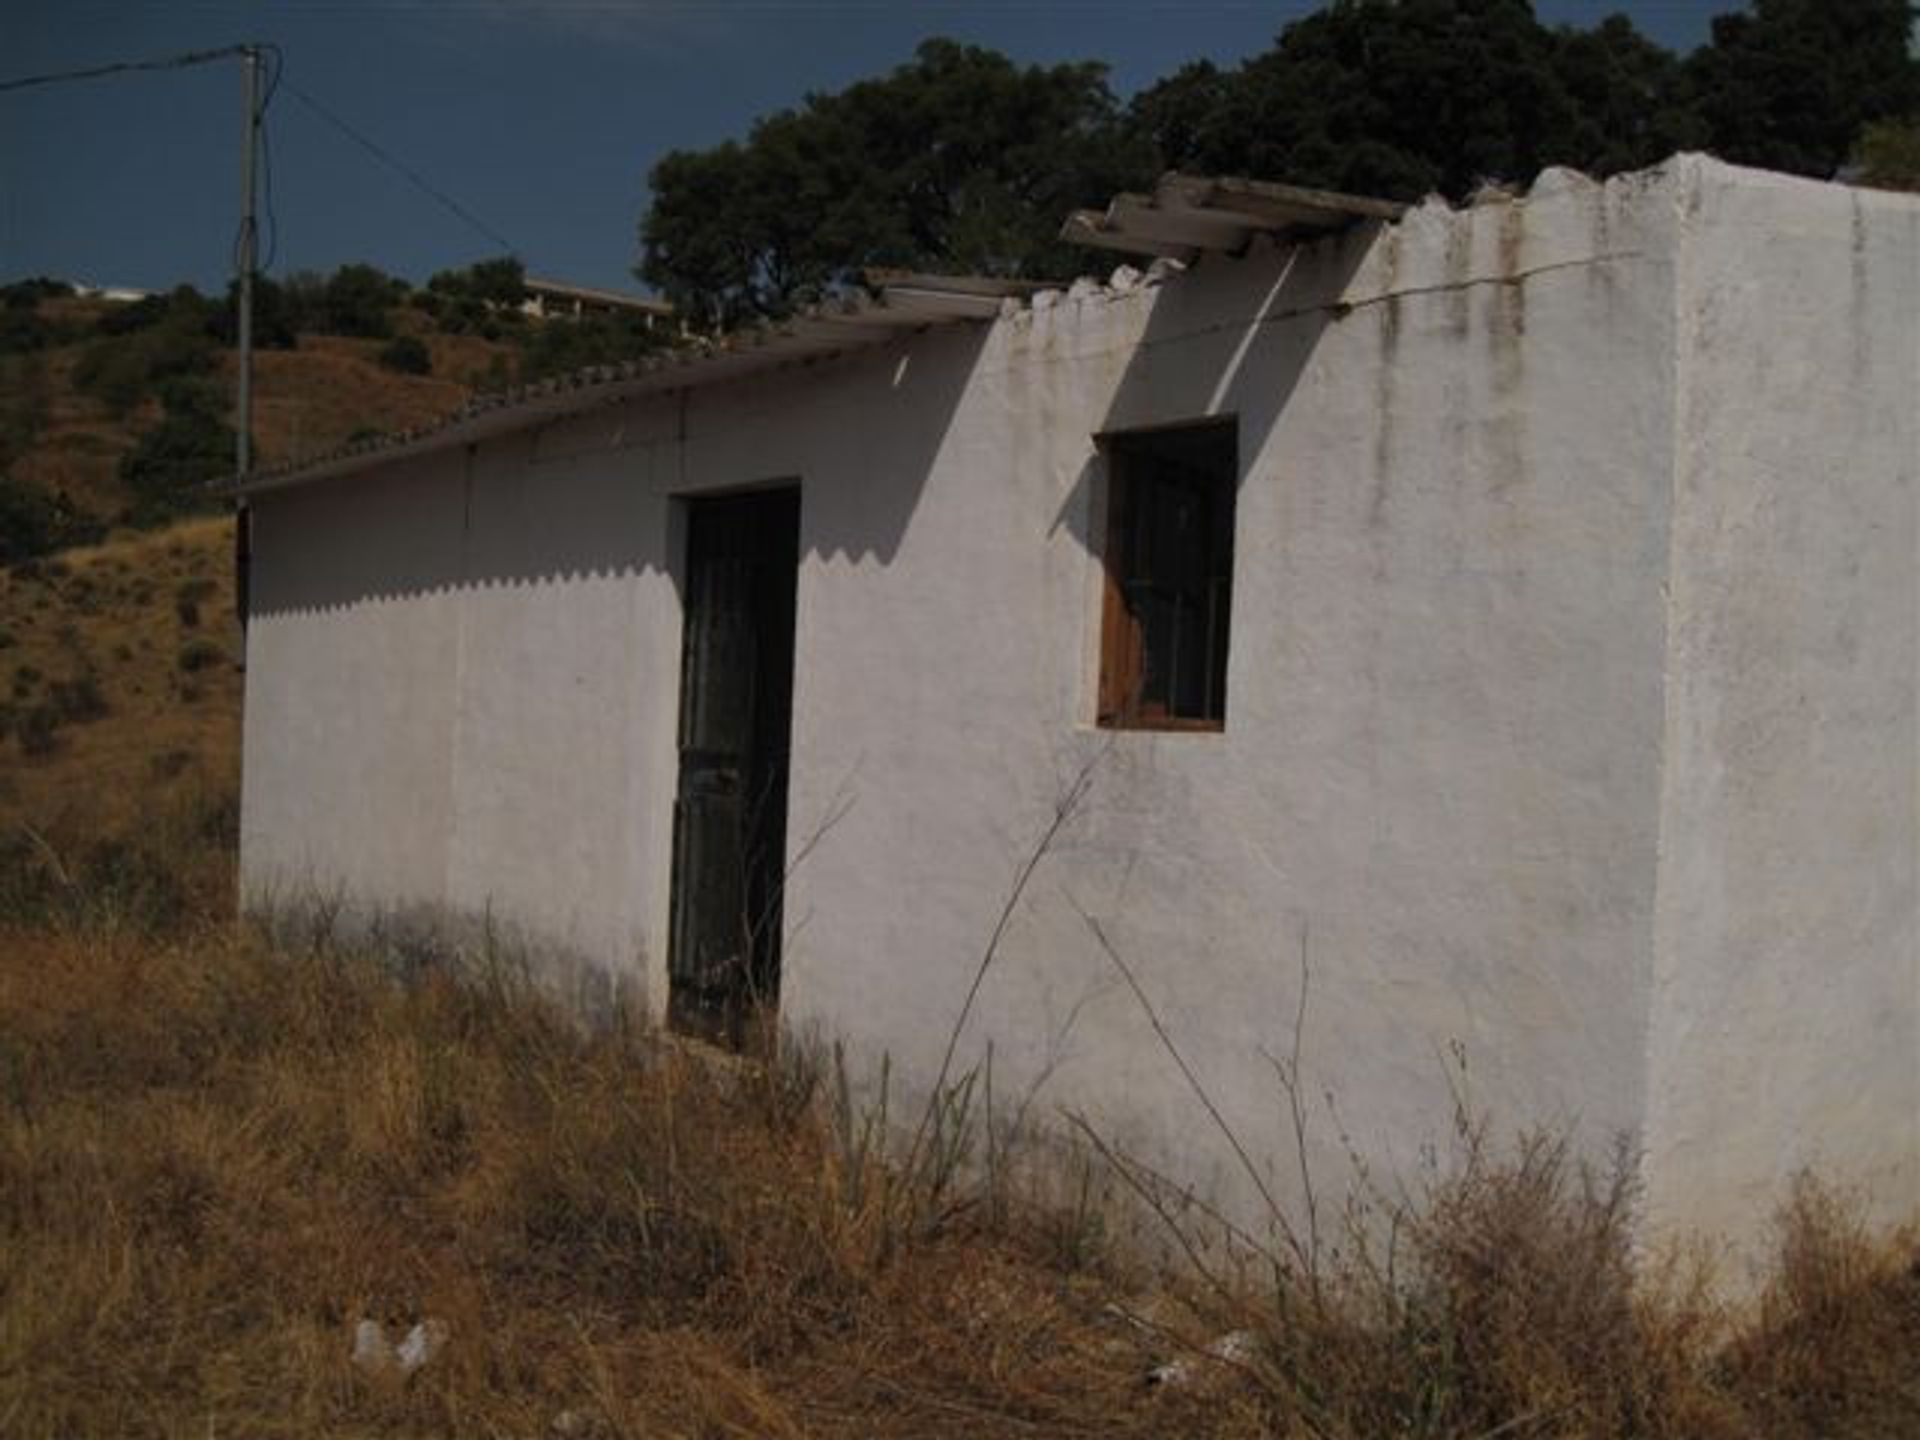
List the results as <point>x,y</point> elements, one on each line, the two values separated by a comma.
<point>554,297</point>
<point>116,294</point>
<point>1503,623</point>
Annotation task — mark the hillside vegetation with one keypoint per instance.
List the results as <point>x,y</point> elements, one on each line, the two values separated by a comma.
<point>120,726</point>
<point>117,416</point>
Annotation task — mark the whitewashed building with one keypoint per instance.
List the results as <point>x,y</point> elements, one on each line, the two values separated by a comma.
<point>1513,611</point>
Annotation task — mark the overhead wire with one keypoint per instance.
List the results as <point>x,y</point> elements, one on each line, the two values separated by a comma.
<point>120,67</point>
<point>279,61</point>
<point>275,79</point>
<point>413,177</point>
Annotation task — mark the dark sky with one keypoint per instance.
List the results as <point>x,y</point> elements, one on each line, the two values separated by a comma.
<point>541,119</point>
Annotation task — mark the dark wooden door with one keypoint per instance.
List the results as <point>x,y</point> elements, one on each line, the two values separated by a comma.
<point>736,710</point>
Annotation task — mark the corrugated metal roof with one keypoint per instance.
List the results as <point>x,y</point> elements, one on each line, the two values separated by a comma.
<point>904,302</point>
<point>1188,214</point>
<point>1185,215</point>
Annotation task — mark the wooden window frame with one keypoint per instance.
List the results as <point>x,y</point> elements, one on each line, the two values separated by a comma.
<point>1123,642</point>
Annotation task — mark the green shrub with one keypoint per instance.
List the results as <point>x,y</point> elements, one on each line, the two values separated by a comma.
<point>169,471</point>
<point>554,347</point>
<point>200,654</point>
<point>122,369</point>
<point>407,355</point>
<point>38,730</point>
<point>170,763</point>
<point>33,523</point>
<point>78,700</point>
<point>357,301</point>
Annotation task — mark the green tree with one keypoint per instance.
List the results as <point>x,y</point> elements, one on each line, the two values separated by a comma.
<point>140,347</point>
<point>498,282</point>
<point>1632,106</point>
<point>358,300</point>
<point>23,328</point>
<point>275,316</point>
<point>32,522</point>
<point>167,473</point>
<point>958,160</point>
<point>1888,155</point>
<point>560,344</point>
<point>1792,84</point>
<point>480,299</point>
<point>1381,97</point>
<point>406,355</point>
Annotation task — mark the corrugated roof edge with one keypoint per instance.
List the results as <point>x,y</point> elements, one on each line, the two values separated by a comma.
<point>1189,214</point>
<point>905,302</point>
<point>1226,212</point>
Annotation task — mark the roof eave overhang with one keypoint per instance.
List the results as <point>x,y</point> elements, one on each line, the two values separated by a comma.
<point>1185,216</point>
<point>1188,215</point>
<point>901,303</point>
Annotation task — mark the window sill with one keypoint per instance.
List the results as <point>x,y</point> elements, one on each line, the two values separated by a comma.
<point>1169,726</point>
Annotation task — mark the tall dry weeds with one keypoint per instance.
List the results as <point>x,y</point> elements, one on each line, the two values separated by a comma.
<point>216,1159</point>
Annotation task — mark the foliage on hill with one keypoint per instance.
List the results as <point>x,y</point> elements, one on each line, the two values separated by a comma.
<point>962,161</point>
<point>118,413</point>
<point>119,700</point>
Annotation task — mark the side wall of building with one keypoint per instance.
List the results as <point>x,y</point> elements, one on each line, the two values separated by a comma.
<point>1435,797</point>
<point>451,664</point>
<point>1786,1005</point>
<point>1433,806</point>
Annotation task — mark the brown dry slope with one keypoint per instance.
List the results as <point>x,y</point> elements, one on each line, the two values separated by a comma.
<point>122,688</point>
<point>119,681</point>
<point>306,401</point>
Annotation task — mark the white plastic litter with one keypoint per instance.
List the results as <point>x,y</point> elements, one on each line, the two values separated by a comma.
<point>375,1354</point>
<point>1235,1348</point>
<point>423,1342</point>
<point>371,1352</point>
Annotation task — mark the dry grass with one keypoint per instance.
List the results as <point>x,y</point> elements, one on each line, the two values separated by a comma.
<point>311,400</point>
<point>215,1159</point>
<point>119,617</point>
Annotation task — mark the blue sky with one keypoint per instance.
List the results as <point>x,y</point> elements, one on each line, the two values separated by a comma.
<point>539,118</point>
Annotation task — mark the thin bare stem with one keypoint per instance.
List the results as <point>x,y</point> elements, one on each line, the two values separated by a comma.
<point>1186,1070</point>
<point>1063,811</point>
<point>1150,1196</point>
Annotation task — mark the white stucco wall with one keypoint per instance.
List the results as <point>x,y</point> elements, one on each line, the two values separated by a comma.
<point>1784,1001</point>
<point>1551,514</point>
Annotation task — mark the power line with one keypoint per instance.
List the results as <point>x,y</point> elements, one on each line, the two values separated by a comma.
<point>278,60</point>
<point>419,181</point>
<point>275,81</point>
<point>172,62</point>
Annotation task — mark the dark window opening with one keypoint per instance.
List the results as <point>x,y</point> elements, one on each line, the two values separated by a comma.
<point>1169,576</point>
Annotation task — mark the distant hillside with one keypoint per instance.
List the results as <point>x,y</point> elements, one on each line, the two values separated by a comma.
<point>306,400</point>
<point>120,710</point>
<point>114,415</point>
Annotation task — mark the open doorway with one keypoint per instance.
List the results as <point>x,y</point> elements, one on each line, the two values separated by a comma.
<point>736,711</point>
